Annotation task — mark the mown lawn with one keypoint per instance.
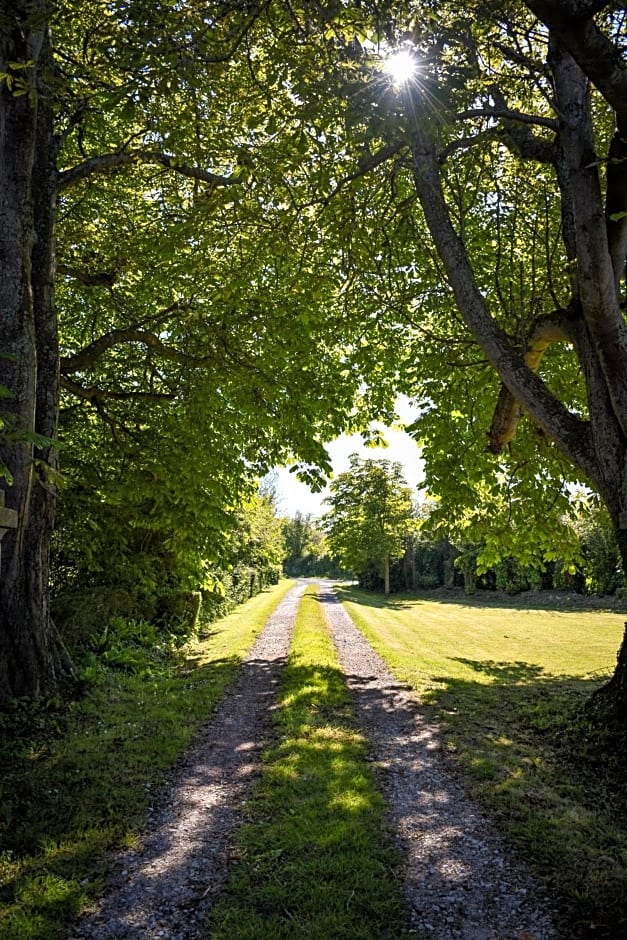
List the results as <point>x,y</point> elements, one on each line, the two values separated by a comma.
<point>507,684</point>
<point>315,858</point>
<point>75,781</point>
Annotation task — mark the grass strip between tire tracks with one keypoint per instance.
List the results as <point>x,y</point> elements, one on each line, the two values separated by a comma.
<point>314,859</point>
<point>77,781</point>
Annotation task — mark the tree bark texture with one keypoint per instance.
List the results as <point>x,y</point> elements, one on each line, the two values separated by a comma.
<point>32,659</point>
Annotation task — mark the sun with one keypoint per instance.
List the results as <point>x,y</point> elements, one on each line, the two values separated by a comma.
<point>401,66</point>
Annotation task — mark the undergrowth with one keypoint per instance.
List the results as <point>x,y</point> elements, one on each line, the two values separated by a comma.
<point>315,860</point>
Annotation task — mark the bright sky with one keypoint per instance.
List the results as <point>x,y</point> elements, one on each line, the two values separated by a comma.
<point>296,496</point>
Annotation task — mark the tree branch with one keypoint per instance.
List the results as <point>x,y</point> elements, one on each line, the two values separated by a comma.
<point>571,22</point>
<point>508,114</point>
<point>95,395</point>
<point>569,432</point>
<point>548,329</point>
<point>519,135</point>
<point>106,162</point>
<point>367,163</point>
<point>89,356</point>
<point>465,143</point>
<point>99,279</point>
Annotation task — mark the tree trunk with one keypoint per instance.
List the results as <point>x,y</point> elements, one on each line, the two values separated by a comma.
<point>609,703</point>
<point>596,445</point>
<point>386,574</point>
<point>32,659</point>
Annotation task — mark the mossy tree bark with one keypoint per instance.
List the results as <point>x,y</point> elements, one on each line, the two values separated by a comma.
<point>32,658</point>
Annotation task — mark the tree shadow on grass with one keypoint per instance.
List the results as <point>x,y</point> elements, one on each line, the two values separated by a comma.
<point>504,672</point>
<point>541,601</point>
<point>378,601</point>
<point>522,742</point>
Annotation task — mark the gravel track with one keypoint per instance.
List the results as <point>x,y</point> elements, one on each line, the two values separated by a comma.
<point>164,888</point>
<point>461,882</point>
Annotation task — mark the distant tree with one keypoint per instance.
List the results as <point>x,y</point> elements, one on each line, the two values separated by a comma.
<point>307,549</point>
<point>297,534</point>
<point>371,513</point>
<point>601,566</point>
<point>257,540</point>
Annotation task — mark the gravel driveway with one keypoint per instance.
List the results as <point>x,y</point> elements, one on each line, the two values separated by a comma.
<point>462,883</point>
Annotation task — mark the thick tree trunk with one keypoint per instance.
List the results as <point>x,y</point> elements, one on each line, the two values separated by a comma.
<point>609,703</point>
<point>595,445</point>
<point>611,699</point>
<point>32,659</point>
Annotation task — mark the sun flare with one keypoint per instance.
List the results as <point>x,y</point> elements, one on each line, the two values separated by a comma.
<point>400,66</point>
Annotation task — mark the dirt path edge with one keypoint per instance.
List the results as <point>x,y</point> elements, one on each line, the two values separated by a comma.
<point>165,887</point>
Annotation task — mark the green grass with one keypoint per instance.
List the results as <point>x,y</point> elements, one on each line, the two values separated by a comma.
<point>314,857</point>
<point>75,781</point>
<point>508,684</point>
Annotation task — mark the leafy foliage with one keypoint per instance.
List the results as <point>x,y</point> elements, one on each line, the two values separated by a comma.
<point>307,551</point>
<point>175,578</point>
<point>203,319</point>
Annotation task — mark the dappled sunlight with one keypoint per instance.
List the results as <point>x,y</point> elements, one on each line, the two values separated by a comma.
<point>312,855</point>
<point>309,694</point>
<point>350,801</point>
<point>180,861</point>
<point>326,739</point>
<point>434,797</point>
<point>429,642</point>
<point>454,863</point>
<point>511,604</point>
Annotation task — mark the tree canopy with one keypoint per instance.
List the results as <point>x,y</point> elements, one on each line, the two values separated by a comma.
<point>178,353</point>
<point>260,237</point>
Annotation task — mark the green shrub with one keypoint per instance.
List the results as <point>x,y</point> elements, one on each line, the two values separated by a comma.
<point>230,588</point>
<point>425,582</point>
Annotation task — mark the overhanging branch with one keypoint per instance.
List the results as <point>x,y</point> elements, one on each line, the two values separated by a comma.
<point>570,433</point>
<point>95,395</point>
<point>106,162</point>
<point>508,114</point>
<point>88,278</point>
<point>88,357</point>
<point>548,329</point>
